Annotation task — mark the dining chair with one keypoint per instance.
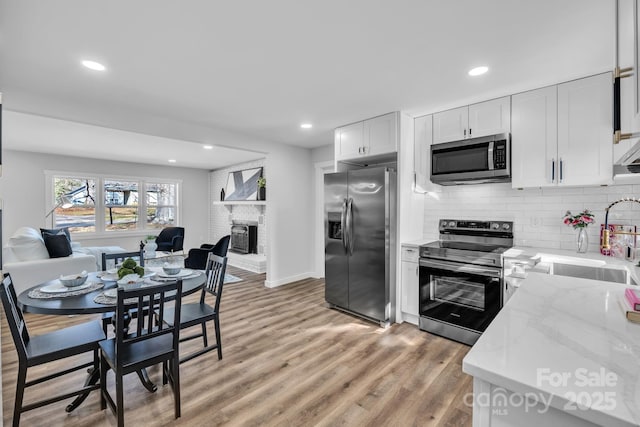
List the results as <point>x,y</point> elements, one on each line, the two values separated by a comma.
<point>121,256</point>
<point>194,314</point>
<point>197,257</point>
<point>40,349</point>
<point>107,318</point>
<point>152,340</point>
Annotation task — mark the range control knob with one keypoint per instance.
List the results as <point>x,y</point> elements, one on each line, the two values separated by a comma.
<point>506,226</point>
<point>452,224</point>
<point>495,226</point>
<point>443,224</point>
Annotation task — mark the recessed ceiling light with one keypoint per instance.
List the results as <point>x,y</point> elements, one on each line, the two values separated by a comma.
<point>93,65</point>
<point>478,71</point>
<point>306,126</point>
<point>172,160</point>
<point>208,147</point>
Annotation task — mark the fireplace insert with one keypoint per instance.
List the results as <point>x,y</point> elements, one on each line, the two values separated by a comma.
<point>244,238</point>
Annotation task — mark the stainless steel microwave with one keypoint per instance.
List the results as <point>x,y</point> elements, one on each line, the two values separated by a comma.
<point>472,161</point>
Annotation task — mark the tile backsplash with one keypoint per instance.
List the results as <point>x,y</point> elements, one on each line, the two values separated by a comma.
<point>537,213</point>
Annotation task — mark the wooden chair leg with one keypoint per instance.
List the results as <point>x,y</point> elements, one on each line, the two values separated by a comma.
<point>216,321</point>
<point>175,367</point>
<point>103,383</point>
<point>120,400</point>
<point>17,406</point>
<point>204,334</point>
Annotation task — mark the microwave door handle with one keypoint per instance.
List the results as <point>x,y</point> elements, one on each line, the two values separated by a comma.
<point>343,225</point>
<point>490,156</point>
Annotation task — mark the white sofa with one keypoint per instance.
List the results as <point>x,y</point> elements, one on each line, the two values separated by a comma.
<point>25,257</point>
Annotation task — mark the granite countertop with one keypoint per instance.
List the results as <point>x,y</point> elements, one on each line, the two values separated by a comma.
<point>553,326</point>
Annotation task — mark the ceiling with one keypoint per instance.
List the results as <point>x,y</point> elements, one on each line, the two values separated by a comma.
<point>261,68</point>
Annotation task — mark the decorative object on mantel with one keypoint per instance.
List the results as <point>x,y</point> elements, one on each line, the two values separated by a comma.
<point>243,184</point>
<point>222,195</point>
<point>262,189</point>
<point>580,223</point>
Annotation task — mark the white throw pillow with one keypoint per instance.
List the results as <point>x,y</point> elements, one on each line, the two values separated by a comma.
<point>27,244</point>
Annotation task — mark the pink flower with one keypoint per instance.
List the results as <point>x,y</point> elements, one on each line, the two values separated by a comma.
<point>567,221</point>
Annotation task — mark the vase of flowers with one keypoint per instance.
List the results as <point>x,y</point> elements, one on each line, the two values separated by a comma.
<point>262,188</point>
<point>580,222</point>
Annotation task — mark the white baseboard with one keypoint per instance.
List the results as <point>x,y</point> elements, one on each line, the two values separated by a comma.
<point>285,280</point>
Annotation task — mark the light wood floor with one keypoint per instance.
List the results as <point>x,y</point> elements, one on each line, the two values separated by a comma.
<point>288,361</point>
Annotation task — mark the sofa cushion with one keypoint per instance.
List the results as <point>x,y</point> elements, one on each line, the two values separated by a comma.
<point>55,231</point>
<point>27,244</point>
<point>58,245</point>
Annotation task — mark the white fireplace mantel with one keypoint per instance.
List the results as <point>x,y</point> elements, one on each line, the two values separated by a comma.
<point>230,204</point>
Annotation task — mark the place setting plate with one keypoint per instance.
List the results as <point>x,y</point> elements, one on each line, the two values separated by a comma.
<point>58,288</point>
<point>182,274</point>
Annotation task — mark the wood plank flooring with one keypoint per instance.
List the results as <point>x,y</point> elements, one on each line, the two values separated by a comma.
<point>287,361</point>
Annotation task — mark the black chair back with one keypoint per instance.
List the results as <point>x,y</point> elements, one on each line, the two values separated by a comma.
<point>170,239</point>
<point>222,246</point>
<point>15,318</point>
<point>216,267</point>
<point>121,256</point>
<point>151,324</point>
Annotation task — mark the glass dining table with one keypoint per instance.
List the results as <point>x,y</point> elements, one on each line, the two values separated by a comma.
<point>91,303</point>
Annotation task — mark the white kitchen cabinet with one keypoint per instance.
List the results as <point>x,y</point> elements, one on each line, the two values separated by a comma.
<point>628,56</point>
<point>481,119</point>
<point>450,125</point>
<point>585,129</point>
<point>534,137</point>
<point>371,137</point>
<point>562,135</point>
<point>422,140</point>
<point>349,141</point>
<point>410,281</point>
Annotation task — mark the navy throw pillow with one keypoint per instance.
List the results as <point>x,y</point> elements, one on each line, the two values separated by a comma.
<point>56,231</point>
<point>57,245</point>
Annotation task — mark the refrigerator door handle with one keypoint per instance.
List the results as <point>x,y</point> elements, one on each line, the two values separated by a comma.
<point>350,225</point>
<point>343,226</point>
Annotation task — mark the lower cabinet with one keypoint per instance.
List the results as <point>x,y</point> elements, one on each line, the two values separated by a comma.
<point>409,284</point>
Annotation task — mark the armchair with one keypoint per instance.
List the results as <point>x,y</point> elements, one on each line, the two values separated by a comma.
<point>197,257</point>
<point>170,239</point>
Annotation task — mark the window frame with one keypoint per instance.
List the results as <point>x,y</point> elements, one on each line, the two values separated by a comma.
<point>100,206</point>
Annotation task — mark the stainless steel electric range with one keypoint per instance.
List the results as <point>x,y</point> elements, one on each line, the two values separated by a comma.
<point>461,278</point>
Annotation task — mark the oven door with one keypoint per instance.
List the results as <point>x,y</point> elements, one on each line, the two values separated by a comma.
<point>461,294</point>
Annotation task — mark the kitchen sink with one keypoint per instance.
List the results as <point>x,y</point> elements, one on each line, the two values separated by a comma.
<point>617,275</point>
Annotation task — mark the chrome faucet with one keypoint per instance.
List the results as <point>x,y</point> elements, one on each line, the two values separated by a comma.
<point>606,233</point>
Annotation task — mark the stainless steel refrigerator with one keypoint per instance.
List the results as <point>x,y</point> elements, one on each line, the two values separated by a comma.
<point>360,240</point>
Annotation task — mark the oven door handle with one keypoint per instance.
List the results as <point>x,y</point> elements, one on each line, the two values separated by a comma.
<point>461,268</point>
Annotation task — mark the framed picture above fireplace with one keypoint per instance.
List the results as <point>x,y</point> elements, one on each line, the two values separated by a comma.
<point>243,184</point>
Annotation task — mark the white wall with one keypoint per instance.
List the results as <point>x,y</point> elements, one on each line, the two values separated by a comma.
<point>537,213</point>
<point>22,189</point>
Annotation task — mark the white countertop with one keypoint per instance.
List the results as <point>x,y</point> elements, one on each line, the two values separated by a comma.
<point>556,325</point>
<point>416,243</point>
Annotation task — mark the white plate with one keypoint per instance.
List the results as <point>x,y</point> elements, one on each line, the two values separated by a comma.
<point>128,281</point>
<point>58,288</point>
<point>113,277</point>
<point>183,273</point>
<point>111,293</point>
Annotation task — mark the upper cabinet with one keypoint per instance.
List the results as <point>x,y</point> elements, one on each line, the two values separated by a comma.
<point>371,137</point>
<point>628,57</point>
<point>482,119</point>
<point>422,139</point>
<point>562,135</point>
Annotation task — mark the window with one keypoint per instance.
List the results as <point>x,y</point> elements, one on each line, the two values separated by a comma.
<point>161,204</point>
<point>81,216</point>
<point>97,204</point>
<point>120,205</point>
